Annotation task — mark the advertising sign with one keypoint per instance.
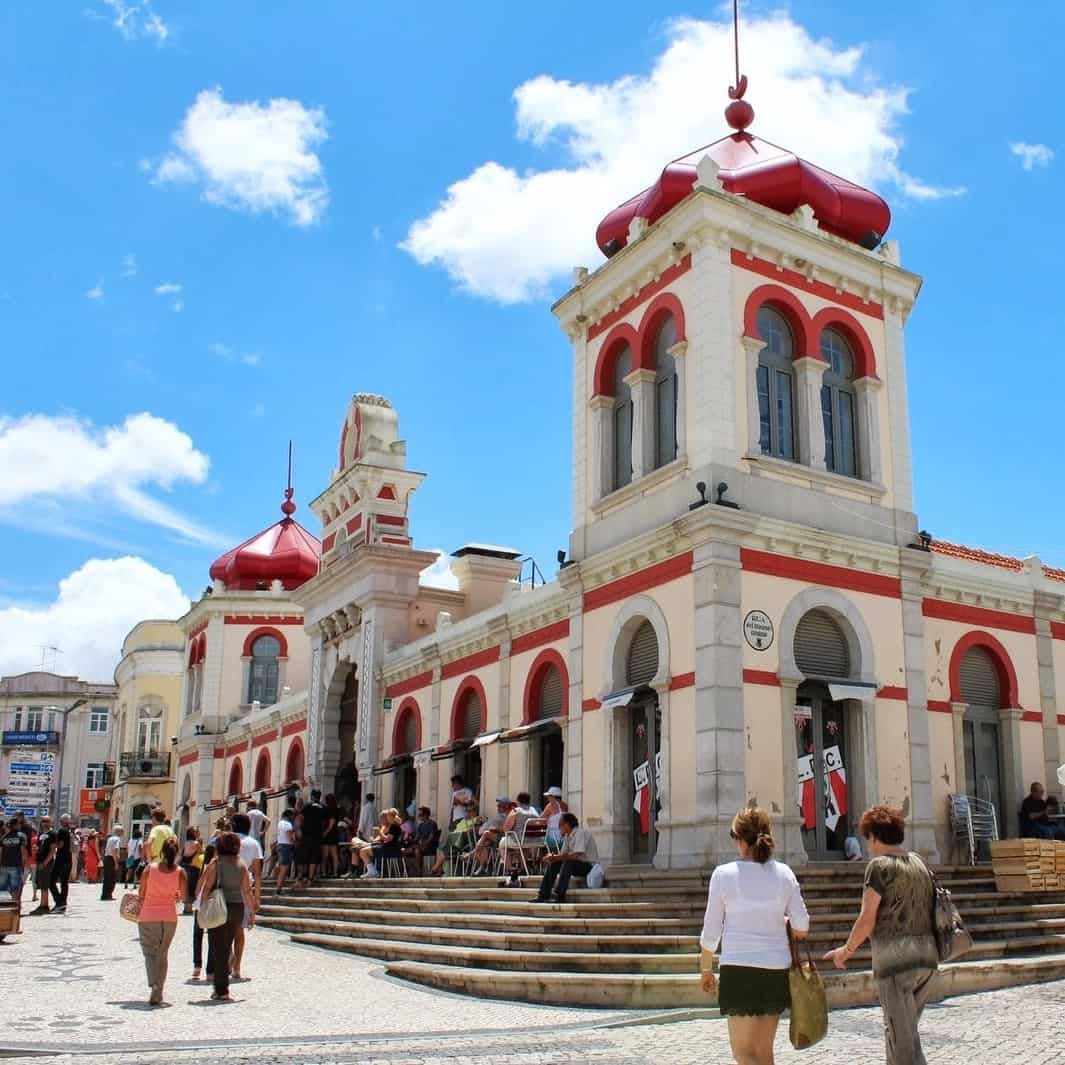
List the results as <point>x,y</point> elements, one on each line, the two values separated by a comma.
<point>35,739</point>
<point>88,798</point>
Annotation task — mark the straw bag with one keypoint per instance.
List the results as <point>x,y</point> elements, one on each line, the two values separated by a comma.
<point>130,907</point>
<point>809,1004</point>
<point>213,911</point>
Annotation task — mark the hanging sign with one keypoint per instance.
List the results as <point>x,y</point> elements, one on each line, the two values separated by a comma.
<point>758,630</point>
<point>641,803</point>
<point>834,788</point>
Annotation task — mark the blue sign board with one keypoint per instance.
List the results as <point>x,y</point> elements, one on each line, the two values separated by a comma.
<point>31,739</point>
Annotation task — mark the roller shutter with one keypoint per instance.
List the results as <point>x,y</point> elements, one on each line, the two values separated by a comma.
<point>820,646</point>
<point>471,716</point>
<point>550,694</point>
<point>643,656</point>
<point>979,679</point>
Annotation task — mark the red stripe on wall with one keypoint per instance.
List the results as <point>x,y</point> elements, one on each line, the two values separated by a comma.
<point>220,752</point>
<point>1057,630</point>
<point>188,759</point>
<point>798,569</point>
<point>761,676</point>
<point>641,581</point>
<point>470,662</point>
<point>264,738</point>
<point>1061,719</point>
<point>395,540</point>
<point>682,680</point>
<point>411,684</point>
<point>764,268</point>
<point>939,706</point>
<point>1032,715</point>
<point>977,615</point>
<point>389,519</point>
<point>328,542</point>
<point>354,525</point>
<point>293,727</point>
<point>263,619</point>
<point>237,748</point>
<point>593,704</point>
<point>548,634</point>
<point>652,288</point>
<point>893,693</point>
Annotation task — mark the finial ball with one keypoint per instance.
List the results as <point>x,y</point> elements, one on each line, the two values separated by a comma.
<point>739,115</point>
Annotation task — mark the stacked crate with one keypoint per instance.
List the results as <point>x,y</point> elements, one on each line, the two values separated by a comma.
<point>1028,865</point>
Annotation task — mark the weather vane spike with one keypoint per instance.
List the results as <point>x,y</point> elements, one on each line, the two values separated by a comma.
<point>288,508</point>
<point>739,114</point>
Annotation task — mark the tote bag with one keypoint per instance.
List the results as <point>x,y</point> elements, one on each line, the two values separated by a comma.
<point>809,1004</point>
<point>953,939</point>
<point>213,912</point>
<point>130,907</point>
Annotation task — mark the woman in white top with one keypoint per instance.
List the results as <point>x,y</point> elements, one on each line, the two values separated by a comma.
<point>750,905</point>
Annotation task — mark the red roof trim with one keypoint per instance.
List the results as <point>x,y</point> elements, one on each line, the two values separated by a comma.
<point>670,274</point>
<point>293,727</point>
<point>528,641</point>
<point>470,662</point>
<point>977,615</point>
<point>799,569</point>
<point>641,581</point>
<point>411,684</point>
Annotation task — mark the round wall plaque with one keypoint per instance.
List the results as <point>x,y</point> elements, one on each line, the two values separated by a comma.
<point>758,630</point>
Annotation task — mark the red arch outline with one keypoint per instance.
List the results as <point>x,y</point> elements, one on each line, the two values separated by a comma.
<point>608,352</point>
<point>534,679</point>
<point>408,706</point>
<point>795,313</point>
<point>850,327</point>
<point>664,305</point>
<point>236,770</point>
<point>265,630</point>
<point>1007,675</point>
<point>297,745</point>
<point>470,683</point>
<point>263,759</point>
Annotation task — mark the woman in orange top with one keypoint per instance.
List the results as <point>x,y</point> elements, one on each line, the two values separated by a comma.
<point>161,886</point>
<point>92,858</point>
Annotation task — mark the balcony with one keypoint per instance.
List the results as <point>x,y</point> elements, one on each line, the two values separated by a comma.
<point>144,765</point>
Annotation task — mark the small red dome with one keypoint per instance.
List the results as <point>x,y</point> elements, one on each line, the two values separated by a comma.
<point>765,174</point>
<point>285,552</point>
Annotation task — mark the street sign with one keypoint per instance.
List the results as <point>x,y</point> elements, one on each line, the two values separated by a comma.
<point>36,739</point>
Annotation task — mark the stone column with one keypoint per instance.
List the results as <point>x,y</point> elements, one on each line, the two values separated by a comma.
<point>1045,604</point>
<point>752,348</point>
<point>867,391</point>
<point>679,352</point>
<point>789,822</point>
<point>808,418</point>
<point>601,467</point>
<point>922,818</point>
<point>498,752</point>
<point>1012,768</point>
<point>574,783</point>
<point>898,411</point>
<point>642,385</point>
<point>719,720</point>
<point>957,720</point>
<point>664,856</point>
<point>322,744</point>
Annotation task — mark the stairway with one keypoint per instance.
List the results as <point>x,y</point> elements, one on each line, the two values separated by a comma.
<point>635,943</point>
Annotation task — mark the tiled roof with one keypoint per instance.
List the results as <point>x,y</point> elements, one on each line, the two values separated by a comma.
<point>990,558</point>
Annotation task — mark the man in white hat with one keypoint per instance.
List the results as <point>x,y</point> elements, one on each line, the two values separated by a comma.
<point>111,852</point>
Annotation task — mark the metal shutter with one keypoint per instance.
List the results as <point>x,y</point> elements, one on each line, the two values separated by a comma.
<point>471,715</point>
<point>979,679</point>
<point>820,646</point>
<point>410,734</point>
<point>550,694</point>
<point>643,656</point>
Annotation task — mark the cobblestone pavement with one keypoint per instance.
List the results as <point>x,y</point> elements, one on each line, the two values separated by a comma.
<point>74,989</point>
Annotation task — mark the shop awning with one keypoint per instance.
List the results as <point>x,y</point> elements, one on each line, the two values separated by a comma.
<point>851,690</point>
<point>423,758</point>
<point>486,738</point>
<point>617,700</point>
<point>447,750</point>
<point>527,732</point>
<point>390,765</point>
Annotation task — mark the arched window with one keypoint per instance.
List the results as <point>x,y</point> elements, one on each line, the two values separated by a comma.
<point>262,677</point>
<point>236,778</point>
<point>642,663</point>
<point>821,648</point>
<point>775,385</point>
<point>980,683</point>
<point>294,763</point>
<point>838,405</point>
<point>549,697</point>
<point>621,425</point>
<point>470,720</point>
<point>407,734</point>
<point>665,394</point>
<point>262,770</point>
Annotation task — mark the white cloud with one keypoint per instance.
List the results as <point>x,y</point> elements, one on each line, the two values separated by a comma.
<point>439,574</point>
<point>224,351</point>
<point>133,19</point>
<point>251,156</point>
<point>507,234</point>
<point>94,609</point>
<point>97,291</point>
<point>1032,155</point>
<point>129,265</point>
<point>64,458</point>
<point>172,288</point>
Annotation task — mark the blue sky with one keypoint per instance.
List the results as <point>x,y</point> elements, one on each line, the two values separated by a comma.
<point>224,219</point>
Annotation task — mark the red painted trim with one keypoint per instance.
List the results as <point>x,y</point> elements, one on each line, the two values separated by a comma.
<point>857,337</point>
<point>264,630</point>
<point>1057,630</point>
<point>407,707</point>
<point>534,681</point>
<point>238,748</point>
<point>411,684</point>
<point>800,281</point>
<point>219,752</point>
<point>402,540</point>
<point>458,705</point>
<point>294,765</point>
<point>528,641</point>
<point>1007,675</point>
<point>188,759</point>
<point>390,519</point>
<point>893,693</point>
<point>666,305</point>
<point>262,778</point>
<point>354,525</point>
<point>761,676</point>
<point>293,727</point>
<point>263,619</point>
<point>641,581</point>
<point>788,304</point>
<point>977,615</point>
<point>939,706</point>
<point>621,337</point>
<point>388,492</point>
<point>682,680</point>
<point>328,542</point>
<point>652,288</point>
<point>263,737</point>
<point>1061,719</point>
<point>798,569</point>
<point>194,632</point>
<point>470,662</point>
<point>1032,715</point>
<point>236,778</point>
<point>590,704</point>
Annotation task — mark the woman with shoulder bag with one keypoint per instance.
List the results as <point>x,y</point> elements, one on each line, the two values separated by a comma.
<point>897,911</point>
<point>228,874</point>
<point>160,888</point>
<point>751,903</point>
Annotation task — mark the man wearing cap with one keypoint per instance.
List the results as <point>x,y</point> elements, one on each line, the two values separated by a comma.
<point>491,830</point>
<point>111,852</point>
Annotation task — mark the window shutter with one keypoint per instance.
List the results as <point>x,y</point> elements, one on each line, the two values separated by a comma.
<point>550,694</point>
<point>643,656</point>
<point>471,715</point>
<point>820,646</point>
<point>979,679</point>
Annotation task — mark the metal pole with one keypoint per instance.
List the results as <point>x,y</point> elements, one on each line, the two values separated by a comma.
<point>62,750</point>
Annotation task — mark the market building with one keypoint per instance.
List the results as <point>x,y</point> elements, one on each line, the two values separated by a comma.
<point>748,610</point>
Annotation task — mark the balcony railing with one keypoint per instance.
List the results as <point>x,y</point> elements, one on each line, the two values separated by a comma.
<point>144,765</point>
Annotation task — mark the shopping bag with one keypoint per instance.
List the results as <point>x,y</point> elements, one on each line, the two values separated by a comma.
<point>130,907</point>
<point>953,939</point>
<point>809,1003</point>
<point>213,912</point>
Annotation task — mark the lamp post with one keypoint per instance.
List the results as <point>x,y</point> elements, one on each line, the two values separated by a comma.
<point>62,750</point>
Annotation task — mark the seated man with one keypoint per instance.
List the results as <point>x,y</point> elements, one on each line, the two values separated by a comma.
<point>461,838</point>
<point>1034,823</point>
<point>579,855</point>
<point>1054,819</point>
<point>426,837</point>
<point>491,830</point>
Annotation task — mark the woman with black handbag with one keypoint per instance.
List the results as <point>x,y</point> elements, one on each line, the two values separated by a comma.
<point>897,911</point>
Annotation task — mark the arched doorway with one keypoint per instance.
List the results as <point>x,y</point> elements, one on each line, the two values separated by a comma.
<point>346,784</point>
<point>982,690</point>
<point>467,719</point>
<point>824,734</point>
<point>406,740</point>
<point>643,755</point>
<point>546,705</point>
<point>294,764</point>
<point>236,779</point>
